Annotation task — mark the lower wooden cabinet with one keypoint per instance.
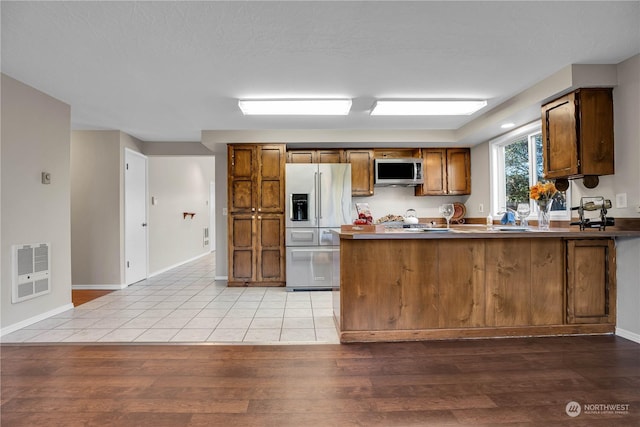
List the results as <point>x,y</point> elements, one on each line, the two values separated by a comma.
<point>408,289</point>
<point>256,250</point>
<point>591,290</point>
<point>525,282</point>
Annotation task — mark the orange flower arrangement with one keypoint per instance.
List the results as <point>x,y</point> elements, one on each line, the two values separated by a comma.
<point>543,191</point>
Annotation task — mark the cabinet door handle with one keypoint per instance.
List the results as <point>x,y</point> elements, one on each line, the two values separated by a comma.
<point>259,216</point>
<point>253,209</point>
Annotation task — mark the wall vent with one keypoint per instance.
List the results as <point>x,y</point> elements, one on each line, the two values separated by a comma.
<point>30,271</point>
<point>205,237</point>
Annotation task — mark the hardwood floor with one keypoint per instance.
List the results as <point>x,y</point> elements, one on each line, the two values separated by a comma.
<point>526,381</point>
<point>82,296</point>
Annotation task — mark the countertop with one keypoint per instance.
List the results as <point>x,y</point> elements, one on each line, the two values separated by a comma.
<point>473,231</point>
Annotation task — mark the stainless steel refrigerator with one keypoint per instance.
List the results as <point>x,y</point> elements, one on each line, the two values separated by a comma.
<point>318,201</point>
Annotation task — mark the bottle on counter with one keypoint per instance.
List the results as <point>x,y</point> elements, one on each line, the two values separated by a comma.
<point>489,222</point>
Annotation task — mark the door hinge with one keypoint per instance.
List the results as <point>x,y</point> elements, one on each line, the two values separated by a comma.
<point>127,264</point>
<point>127,166</point>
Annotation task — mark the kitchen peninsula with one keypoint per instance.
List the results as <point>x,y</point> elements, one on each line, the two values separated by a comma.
<point>471,282</point>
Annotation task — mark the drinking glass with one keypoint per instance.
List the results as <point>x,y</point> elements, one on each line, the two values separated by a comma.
<point>523,210</point>
<point>446,211</point>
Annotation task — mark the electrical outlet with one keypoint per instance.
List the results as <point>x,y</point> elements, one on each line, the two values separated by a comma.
<point>621,200</point>
<point>224,211</point>
<point>481,208</point>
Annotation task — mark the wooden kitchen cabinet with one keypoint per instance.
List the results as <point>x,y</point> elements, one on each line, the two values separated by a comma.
<point>447,171</point>
<point>591,281</point>
<point>362,171</point>
<point>450,287</point>
<point>397,153</point>
<point>577,134</point>
<point>330,156</point>
<point>525,282</point>
<point>256,214</point>
<point>315,156</point>
<point>301,156</point>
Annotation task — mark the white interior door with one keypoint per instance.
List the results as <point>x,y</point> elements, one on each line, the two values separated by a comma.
<point>135,213</point>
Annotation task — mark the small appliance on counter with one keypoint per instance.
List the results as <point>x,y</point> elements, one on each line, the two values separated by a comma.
<point>592,204</point>
<point>410,217</point>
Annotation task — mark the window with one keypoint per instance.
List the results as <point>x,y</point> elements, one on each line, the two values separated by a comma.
<point>516,164</point>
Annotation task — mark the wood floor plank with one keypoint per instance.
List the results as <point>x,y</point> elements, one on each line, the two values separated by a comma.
<point>524,381</point>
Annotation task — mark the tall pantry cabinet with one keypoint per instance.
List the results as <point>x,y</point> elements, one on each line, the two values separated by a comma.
<point>256,214</point>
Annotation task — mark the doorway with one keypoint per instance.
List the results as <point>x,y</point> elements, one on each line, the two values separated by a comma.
<point>135,214</point>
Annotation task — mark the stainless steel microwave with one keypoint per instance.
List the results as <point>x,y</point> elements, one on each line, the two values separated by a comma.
<point>403,171</point>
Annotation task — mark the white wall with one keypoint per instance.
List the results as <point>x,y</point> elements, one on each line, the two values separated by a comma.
<point>35,138</point>
<point>95,209</point>
<point>180,184</point>
<point>396,201</point>
<point>222,266</point>
<point>627,179</point>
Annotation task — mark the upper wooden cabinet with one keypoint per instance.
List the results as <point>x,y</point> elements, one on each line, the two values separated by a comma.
<point>447,171</point>
<point>315,156</point>
<point>396,153</point>
<point>301,156</point>
<point>577,134</point>
<point>361,171</point>
<point>256,214</point>
<point>256,178</point>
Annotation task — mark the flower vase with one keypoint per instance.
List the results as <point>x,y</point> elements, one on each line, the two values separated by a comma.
<point>544,213</point>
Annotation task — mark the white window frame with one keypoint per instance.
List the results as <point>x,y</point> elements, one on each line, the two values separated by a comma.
<point>496,165</point>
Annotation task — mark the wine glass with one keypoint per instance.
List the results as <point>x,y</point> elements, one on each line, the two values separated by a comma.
<point>523,210</point>
<point>446,211</point>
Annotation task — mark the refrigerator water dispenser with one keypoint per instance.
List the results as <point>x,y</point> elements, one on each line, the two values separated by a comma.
<point>299,207</point>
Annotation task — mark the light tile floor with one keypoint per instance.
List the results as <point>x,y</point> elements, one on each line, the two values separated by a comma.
<point>186,305</point>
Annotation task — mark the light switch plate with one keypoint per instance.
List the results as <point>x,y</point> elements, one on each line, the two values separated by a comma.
<point>621,200</point>
<point>46,178</point>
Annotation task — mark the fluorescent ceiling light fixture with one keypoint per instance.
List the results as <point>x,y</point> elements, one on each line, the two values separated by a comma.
<point>419,107</point>
<point>295,107</point>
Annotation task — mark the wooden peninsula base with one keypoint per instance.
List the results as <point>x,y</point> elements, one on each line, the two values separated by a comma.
<point>535,284</point>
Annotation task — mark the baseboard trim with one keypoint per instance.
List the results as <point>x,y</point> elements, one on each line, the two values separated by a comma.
<point>35,319</point>
<point>105,287</point>
<point>221,278</point>
<point>631,336</point>
<point>164,270</point>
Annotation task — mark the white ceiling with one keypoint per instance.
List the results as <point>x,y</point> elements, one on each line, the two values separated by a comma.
<point>165,71</point>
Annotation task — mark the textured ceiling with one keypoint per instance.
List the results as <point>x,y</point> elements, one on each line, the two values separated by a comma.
<point>164,71</point>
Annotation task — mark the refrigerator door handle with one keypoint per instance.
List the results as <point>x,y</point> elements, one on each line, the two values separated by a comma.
<point>315,188</point>
<point>291,206</point>
<point>320,196</point>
